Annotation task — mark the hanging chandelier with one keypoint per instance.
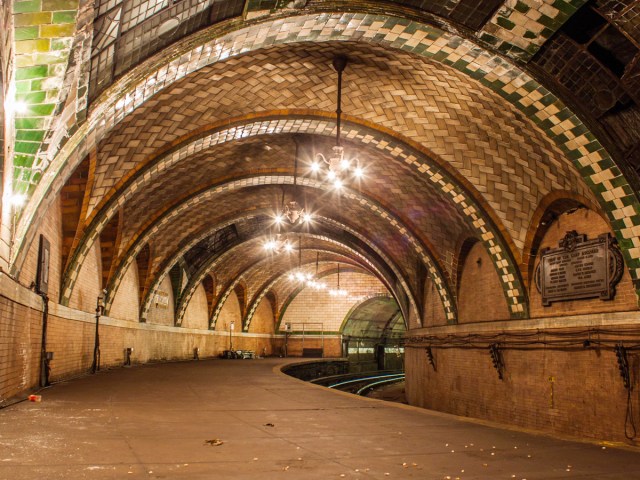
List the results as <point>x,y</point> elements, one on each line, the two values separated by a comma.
<point>336,167</point>
<point>278,245</point>
<point>338,292</point>
<point>292,211</point>
<point>304,278</point>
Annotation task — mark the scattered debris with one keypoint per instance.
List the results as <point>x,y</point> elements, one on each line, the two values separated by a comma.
<point>269,425</point>
<point>286,468</point>
<point>214,442</point>
<point>35,398</point>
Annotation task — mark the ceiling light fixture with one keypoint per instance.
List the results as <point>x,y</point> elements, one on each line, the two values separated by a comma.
<point>292,211</point>
<point>335,166</point>
<point>338,292</point>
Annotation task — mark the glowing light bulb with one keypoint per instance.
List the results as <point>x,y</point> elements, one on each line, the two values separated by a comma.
<point>358,172</point>
<point>337,184</point>
<point>344,164</point>
<point>306,217</point>
<point>315,167</point>
<point>278,219</point>
<point>331,175</point>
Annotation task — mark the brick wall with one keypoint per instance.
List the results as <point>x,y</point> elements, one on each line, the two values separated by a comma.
<point>318,307</point>
<point>331,345</point>
<point>263,321</point>
<point>197,313</point>
<point>71,334</point>
<point>50,228</point>
<point>230,312</point>
<point>588,399</point>
<point>161,315</point>
<point>20,339</point>
<point>480,294</point>
<point>84,296</point>
<point>574,390</point>
<point>125,304</point>
<point>434,313</point>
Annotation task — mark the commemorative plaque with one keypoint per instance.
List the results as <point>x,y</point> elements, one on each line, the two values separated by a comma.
<point>580,268</point>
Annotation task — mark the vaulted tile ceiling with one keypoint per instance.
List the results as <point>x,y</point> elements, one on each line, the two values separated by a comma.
<point>187,123</point>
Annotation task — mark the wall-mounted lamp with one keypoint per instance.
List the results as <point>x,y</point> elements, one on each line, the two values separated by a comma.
<point>127,356</point>
<point>95,366</point>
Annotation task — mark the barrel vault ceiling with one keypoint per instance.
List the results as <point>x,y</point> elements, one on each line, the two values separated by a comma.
<point>177,129</point>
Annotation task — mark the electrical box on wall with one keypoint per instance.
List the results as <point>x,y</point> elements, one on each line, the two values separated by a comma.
<point>42,274</point>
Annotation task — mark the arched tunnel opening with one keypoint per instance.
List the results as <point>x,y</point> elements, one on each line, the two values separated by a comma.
<point>372,335</point>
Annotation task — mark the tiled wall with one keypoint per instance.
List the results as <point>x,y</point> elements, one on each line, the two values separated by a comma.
<point>312,308</point>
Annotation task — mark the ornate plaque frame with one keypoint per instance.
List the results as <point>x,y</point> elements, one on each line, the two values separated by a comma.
<point>579,269</point>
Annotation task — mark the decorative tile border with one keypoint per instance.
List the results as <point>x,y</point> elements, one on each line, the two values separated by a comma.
<point>142,239</point>
<point>93,233</point>
<point>265,289</point>
<point>538,104</point>
<point>519,28</point>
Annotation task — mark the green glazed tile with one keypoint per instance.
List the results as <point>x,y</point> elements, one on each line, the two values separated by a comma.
<point>42,109</point>
<point>59,5</point>
<point>30,135</point>
<point>504,23</point>
<point>28,6</point>
<point>37,71</point>
<point>26,33</point>
<point>28,19</point>
<point>29,123</point>
<point>27,147</point>
<point>64,17</point>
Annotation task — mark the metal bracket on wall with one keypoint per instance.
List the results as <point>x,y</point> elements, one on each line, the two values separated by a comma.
<point>430,358</point>
<point>496,358</point>
<point>623,365</point>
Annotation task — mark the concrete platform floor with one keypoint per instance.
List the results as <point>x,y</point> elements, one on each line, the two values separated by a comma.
<point>163,421</point>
